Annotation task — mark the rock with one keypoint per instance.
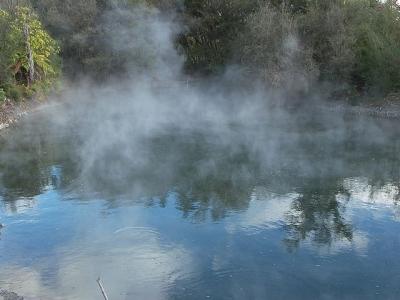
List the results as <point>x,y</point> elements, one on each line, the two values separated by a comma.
<point>5,295</point>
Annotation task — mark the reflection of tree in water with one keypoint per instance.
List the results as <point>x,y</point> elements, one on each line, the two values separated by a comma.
<point>317,214</point>
<point>20,171</point>
<point>379,183</point>
<point>27,164</point>
<point>215,194</point>
<point>203,178</point>
<point>208,175</point>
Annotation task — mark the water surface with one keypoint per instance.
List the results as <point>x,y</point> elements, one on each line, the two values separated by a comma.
<point>264,211</point>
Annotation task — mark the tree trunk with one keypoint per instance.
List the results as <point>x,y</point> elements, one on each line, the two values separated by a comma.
<point>31,64</point>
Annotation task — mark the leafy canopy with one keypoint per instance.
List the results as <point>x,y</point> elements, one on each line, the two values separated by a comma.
<point>13,45</point>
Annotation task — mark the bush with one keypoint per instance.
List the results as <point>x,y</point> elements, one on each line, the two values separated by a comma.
<point>350,45</point>
<point>326,30</point>
<point>213,27</point>
<point>270,48</point>
<point>2,95</point>
<point>16,92</point>
<point>377,47</point>
<point>14,61</point>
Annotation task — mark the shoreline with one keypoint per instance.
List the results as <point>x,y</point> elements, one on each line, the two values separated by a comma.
<point>11,112</point>
<point>388,110</point>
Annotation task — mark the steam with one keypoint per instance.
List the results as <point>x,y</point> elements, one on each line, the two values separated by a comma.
<point>152,133</point>
<point>122,127</point>
<point>212,147</point>
<point>146,39</point>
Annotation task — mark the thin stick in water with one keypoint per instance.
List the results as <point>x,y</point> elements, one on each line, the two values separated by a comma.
<point>102,288</point>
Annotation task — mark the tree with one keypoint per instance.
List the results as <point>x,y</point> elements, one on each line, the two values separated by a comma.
<point>75,24</point>
<point>90,34</point>
<point>377,46</point>
<point>213,26</point>
<point>27,51</point>
<point>326,30</point>
<point>270,49</point>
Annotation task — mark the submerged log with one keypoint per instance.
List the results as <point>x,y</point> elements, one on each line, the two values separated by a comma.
<point>102,288</point>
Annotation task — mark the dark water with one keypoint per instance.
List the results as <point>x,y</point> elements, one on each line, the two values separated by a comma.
<point>308,211</point>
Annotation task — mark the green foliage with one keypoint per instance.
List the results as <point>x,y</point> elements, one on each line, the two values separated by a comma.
<point>75,24</point>
<point>293,6</point>
<point>101,38</point>
<point>269,47</point>
<point>325,31</point>
<point>2,95</point>
<point>44,48</point>
<point>4,52</point>
<point>16,92</point>
<point>14,62</point>
<point>377,47</point>
<point>213,27</point>
<point>354,44</point>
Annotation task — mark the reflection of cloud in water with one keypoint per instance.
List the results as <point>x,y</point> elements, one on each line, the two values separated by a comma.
<point>138,265</point>
<point>364,195</point>
<point>266,211</point>
<point>358,243</point>
<point>272,211</point>
<point>18,206</point>
<point>24,280</point>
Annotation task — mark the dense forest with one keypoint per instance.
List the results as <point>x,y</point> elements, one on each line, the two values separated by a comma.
<point>350,46</point>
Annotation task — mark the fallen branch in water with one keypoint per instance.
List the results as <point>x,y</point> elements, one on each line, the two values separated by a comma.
<point>102,288</point>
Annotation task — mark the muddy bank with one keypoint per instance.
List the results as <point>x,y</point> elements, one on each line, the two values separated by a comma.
<point>388,108</point>
<point>384,111</point>
<point>11,112</point>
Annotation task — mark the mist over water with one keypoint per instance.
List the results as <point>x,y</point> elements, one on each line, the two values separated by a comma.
<point>169,190</point>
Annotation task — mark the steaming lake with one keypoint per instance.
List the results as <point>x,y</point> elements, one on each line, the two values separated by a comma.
<point>291,210</point>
